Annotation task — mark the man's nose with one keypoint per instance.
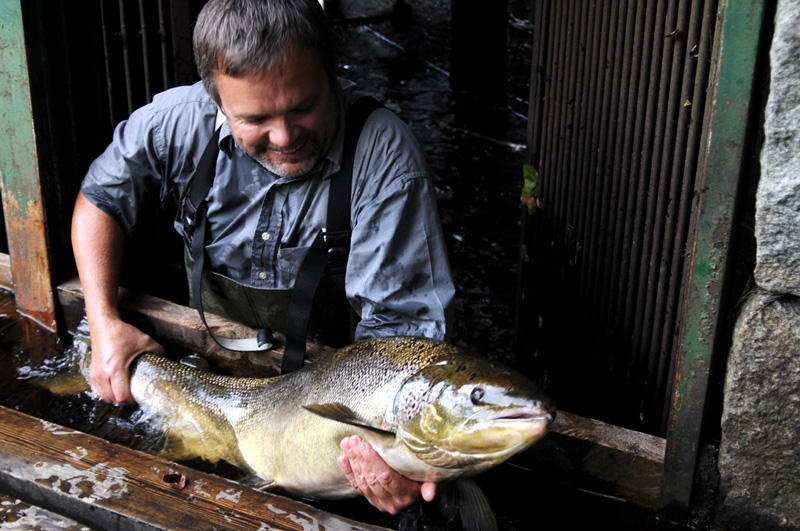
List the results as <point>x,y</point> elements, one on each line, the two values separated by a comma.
<point>281,133</point>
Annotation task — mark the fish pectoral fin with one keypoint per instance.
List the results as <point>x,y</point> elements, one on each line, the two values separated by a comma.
<point>176,448</point>
<point>476,514</point>
<point>341,413</point>
<point>257,482</point>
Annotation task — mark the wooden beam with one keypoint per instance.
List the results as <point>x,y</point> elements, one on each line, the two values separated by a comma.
<point>23,201</point>
<point>6,280</point>
<point>180,327</point>
<point>623,440</point>
<point>108,486</point>
<point>593,456</point>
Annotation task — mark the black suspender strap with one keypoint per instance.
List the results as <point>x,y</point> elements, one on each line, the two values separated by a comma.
<point>193,216</point>
<point>332,244</point>
<point>328,252</point>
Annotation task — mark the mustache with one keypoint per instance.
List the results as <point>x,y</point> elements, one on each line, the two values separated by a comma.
<point>296,146</point>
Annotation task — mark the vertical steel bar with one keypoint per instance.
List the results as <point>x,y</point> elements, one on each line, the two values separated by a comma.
<point>107,58</point>
<point>648,188</point>
<point>622,157</point>
<point>613,187</point>
<point>162,33</point>
<point>123,30</point>
<point>181,41</point>
<point>729,116</point>
<point>674,238</point>
<point>702,55</point>
<point>530,234</point>
<point>586,119</point>
<point>638,167</point>
<point>666,202</point>
<point>593,172</point>
<point>547,185</point>
<point>148,88</point>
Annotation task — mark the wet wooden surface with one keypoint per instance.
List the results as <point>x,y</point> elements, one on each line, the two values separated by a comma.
<point>19,515</point>
<point>107,486</point>
<point>182,328</point>
<point>581,452</point>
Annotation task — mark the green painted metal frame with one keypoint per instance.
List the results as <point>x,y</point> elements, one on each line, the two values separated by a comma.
<point>23,203</point>
<point>719,176</point>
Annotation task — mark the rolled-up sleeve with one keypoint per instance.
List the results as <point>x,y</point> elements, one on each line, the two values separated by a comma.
<point>150,155</point>
<point>398,276</point>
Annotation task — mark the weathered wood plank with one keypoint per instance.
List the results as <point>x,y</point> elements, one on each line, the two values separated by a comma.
<point>6,280</point>
<point>181,327</point>
<point>20,515</point>
<point>597,468</point>
<point>621,439</point>
<point>107,486</point>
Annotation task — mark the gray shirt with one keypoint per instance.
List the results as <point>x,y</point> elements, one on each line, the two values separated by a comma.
<point>260,225</point>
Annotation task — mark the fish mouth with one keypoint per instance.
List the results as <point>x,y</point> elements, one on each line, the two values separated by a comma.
<point>526,415</point>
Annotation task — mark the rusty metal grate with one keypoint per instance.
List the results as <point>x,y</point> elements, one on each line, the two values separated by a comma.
<point>617,103</point>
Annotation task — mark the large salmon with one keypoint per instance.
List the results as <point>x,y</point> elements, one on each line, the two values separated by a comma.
<point>432,411</point>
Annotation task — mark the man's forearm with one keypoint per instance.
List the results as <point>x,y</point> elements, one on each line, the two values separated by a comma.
<point>98,244</point>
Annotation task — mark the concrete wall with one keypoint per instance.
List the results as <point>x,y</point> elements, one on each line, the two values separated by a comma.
<point>759,460</point>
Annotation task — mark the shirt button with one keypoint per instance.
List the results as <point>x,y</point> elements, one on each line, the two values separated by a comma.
<point>265,236</point>
<point>262,275</point>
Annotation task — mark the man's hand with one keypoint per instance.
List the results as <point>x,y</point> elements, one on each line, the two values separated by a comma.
<point>380,485</point>
<point>98,243</point>
<point>115,344</point>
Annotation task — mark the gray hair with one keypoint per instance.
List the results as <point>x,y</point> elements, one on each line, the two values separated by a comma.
<point>239,37</point>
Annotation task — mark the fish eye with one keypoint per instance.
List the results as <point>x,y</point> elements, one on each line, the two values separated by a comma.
<point>476,396</point>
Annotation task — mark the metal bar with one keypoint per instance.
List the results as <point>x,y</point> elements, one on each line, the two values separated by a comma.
<point>615,184</point>
<point>729,116</point>
<point>593,174</point>
<point>123,30</point>
<point>635,227</point>
<point>548,224</point>
<point>107,59</point>
<point>583,114</point>
<point>181,41</point>
<point>648,191</point>
<point>162,33</point>
<point>622,158</point>
<point>702,55</point>
<point>23,201</point>
<point>679,209</point>
<point>526,328</point>
<point>148,89</point>
<point>665,217</point>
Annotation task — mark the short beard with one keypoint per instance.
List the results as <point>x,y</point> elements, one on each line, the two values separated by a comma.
<point>270,166</point>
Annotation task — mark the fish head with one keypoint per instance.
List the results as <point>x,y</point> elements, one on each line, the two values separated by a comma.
<point>467,414</point>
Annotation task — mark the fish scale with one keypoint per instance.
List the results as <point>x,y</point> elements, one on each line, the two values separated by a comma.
<point>432,410</point>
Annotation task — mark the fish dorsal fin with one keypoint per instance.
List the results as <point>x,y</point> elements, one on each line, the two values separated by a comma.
<point>341,413</point>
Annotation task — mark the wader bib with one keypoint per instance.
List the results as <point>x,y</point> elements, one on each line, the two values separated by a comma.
<point>317,305</point>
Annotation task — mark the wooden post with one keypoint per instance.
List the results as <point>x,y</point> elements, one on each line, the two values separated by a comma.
<point>23,204</point>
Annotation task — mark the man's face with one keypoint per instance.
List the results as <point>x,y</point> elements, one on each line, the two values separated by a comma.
<point>285,118</point>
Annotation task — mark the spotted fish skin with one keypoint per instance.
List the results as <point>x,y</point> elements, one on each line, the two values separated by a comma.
<point>432,410</point>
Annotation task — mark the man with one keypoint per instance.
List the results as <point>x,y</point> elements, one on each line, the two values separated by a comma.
<point>269,87</point>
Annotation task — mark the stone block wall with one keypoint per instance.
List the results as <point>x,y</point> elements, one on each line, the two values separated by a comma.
<point>759,461</point>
